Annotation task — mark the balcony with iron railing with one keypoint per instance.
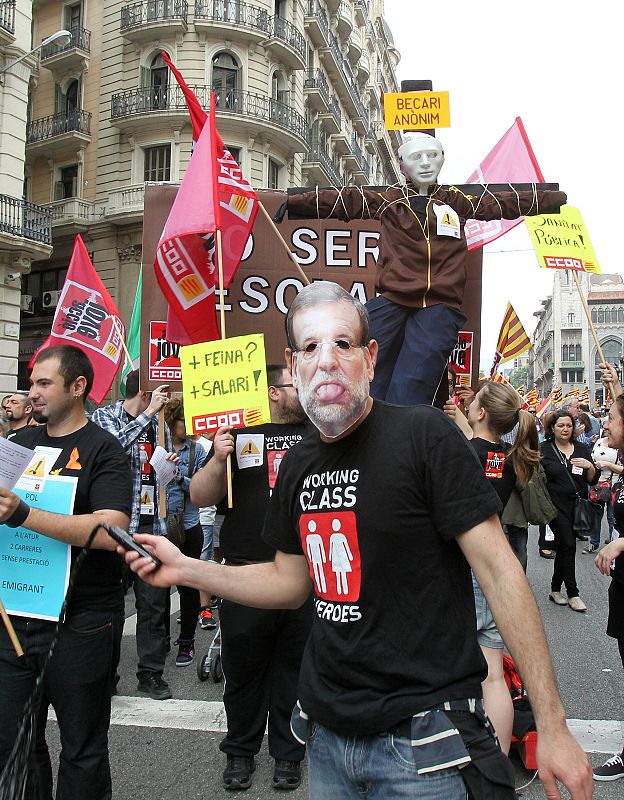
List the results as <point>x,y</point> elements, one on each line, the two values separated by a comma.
<point>332,118</point>
<point>286,43</point>
<point>147,20</point>
<point>344,19</point>
<point>73,55</point>
<point>316,90</point>
<point>343,78</point>
<point>7,20</point>
<point>60,134</point>
<point>25,220</point>
<point>316,24</point>
<point>235,21</point>
<point>360,8</point>
<point>364,67</point>
<point>238,110</point>
<point>319,167</point>
<point>355,46</point>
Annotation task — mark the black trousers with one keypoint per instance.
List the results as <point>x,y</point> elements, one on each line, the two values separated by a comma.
<point>189,598</point>
<point>565,555</point>
<point>261,654</point>
<point>78,685</point>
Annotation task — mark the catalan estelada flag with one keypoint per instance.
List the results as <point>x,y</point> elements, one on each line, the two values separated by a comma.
<point>557,393</point>
<point>512,339</point>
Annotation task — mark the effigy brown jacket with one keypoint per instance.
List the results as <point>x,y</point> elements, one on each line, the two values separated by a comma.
<point>422,247</point>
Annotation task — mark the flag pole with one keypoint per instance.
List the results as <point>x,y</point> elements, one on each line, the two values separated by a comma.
<point>267,216</point>
<point>123,343</point>
<point>11,630</point>
<point>219,246</point>
<point>588,315</point>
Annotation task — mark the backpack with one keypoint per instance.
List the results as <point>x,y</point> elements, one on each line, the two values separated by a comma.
<point>536,502</point>
<point>523,721</point>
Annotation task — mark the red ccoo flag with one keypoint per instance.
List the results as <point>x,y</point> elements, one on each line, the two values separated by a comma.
<point>184,263</point>
<point>511,160</point>
<point>83,318</point>
<point>237,201</point>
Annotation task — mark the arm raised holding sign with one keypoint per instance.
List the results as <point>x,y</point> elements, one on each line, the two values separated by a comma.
<point>208,486</point>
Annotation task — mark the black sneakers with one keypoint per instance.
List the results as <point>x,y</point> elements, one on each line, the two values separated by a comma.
<point>237,774</point>
<point>186,653</point>
<point>611,770</point>
<point>155,687</point>
<point>287,774</point>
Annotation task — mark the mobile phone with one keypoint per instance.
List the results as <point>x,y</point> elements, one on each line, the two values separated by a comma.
<point>127,541</point>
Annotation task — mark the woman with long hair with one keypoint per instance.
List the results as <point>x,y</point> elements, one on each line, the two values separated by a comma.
<point>569,468</point>
<point>495,411</point>
<point>178,499</point>
<point>610,560</point>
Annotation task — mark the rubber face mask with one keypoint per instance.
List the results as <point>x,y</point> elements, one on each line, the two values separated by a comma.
<point>421,160</point>
<point>333,419</point>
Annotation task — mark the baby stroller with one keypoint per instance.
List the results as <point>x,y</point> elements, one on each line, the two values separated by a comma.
<point>209,666</point>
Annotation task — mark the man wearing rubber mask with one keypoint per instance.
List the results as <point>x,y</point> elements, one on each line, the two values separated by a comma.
<point>421,270</point>
<point>379,515</point>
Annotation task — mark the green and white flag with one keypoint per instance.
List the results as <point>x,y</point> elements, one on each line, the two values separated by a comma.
<point>134,335</point>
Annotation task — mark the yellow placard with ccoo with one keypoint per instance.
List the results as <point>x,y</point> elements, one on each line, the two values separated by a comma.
<point>416,111</point>
<point>225,384</point>
<point>561,241</point>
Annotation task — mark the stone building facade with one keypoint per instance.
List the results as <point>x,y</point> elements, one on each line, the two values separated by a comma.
<point>299,98</point>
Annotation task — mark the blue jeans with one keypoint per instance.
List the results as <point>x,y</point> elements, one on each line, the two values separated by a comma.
<point>414,346</point>
<point>208,546</point>
<point>375,767</point>
<point>78,685</point>
<point>595,538</point>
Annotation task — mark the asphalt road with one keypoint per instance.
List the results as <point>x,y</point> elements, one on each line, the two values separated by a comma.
<point>175,754</point>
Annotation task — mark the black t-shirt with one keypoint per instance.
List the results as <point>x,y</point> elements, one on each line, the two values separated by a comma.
<point>497,466</point>
<point>376,515</point>
<point>618,513</point>
<point>97,459</point>
<point>558,471</point>
<point>258,454</point>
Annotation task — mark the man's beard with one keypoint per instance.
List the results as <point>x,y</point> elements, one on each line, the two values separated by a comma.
<point>293,413</point>
<point>39,417</point>
<point>334,419</point>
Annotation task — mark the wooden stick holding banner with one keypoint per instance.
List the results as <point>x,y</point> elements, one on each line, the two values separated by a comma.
<point>267,216</point>
<point>11,630</point>
<point>123,343</point>
<point>219,244</point>
<point>588,315</point>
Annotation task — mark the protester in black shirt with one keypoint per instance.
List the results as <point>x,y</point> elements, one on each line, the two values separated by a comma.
<point>79,678</point>
<point>382,513</point>
<point>261,649</point>
<point>569,467</point>
<point>496,410</point>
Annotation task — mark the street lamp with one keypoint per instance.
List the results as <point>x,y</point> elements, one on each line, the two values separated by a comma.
<point>62,38</point>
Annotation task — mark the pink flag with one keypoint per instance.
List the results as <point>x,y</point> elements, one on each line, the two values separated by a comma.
<point>84,318</point>
<point>184,263</point>
<point>511,160</point>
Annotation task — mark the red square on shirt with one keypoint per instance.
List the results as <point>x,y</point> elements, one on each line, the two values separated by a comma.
<point>330,543</point>
<point>494,465</point>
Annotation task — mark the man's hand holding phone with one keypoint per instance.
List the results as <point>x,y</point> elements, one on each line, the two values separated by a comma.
<point>154,558</point>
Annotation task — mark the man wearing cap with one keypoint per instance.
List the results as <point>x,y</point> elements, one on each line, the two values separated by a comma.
<point>421,270</point>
